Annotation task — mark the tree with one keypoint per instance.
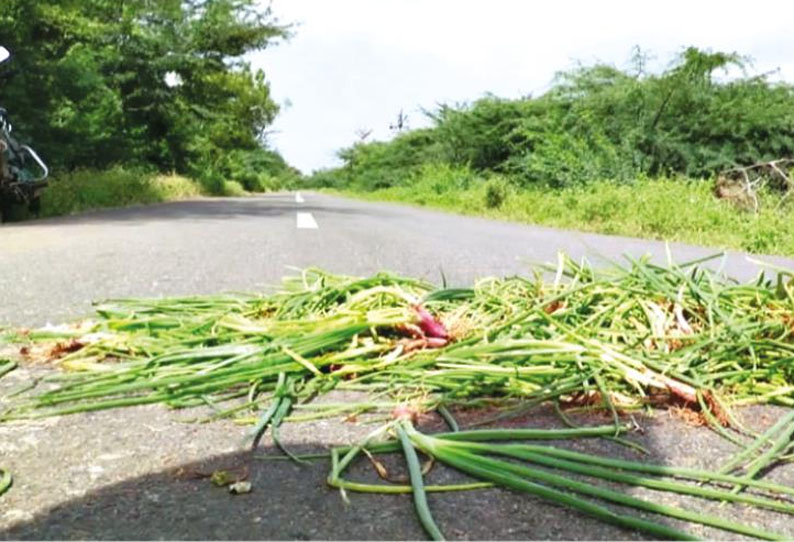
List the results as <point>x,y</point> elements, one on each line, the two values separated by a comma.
<point>599,122</point>
<point>91,87</point>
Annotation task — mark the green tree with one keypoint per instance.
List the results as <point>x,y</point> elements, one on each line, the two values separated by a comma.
<point>91,87</point>
<point>597,123</point>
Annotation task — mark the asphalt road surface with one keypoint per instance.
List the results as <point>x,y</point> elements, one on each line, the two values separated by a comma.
<point>137,473</point>
<point>50,270</point>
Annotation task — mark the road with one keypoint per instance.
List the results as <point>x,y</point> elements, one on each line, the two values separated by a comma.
<point>50,270</point>
<point>132,474</point>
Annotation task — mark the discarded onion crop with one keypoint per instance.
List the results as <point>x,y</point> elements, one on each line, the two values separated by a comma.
<point>623,339</point>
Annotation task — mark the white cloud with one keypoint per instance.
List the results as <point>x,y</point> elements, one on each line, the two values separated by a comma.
<point>356,63</point>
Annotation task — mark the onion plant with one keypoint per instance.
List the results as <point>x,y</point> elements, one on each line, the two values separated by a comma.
<point>630,337</point>
<point>546,472</point>
<point>5,480</point>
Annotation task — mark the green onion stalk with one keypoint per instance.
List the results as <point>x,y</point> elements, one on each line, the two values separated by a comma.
<point>6,480</point>
<point>545,472</point>
<point>631,337</point>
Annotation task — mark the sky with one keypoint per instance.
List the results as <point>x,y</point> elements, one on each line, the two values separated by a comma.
<point>353,65</point>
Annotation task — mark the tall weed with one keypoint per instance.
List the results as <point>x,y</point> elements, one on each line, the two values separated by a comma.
<point>88,189</point>
<point>670,209</point>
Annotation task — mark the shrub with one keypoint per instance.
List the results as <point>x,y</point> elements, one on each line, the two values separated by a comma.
<point>440,178</point>
<point>272,183</point>
<point>476,135</point>
<point>257,170</point>
<point>564,159</point>
<point>174,187</point>
<point>326,178</point>
<point>209,177</point>
<point>91,189</point>
<point>497,189</point>
<point>87,189</point>
<point>378,165</point>
<point>596,123</point>
<point>233,189</point>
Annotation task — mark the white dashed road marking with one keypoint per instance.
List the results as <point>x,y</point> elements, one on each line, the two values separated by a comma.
<point>298,198</point>
<point>306,221</point>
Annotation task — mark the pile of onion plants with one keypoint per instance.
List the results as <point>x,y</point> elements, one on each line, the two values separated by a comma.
<point>626,338</point>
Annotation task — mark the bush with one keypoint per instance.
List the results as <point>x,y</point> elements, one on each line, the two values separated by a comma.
<point>378,165</point>
<point>174,187</point>
<point>233,189</point>
<point>596,123</point>
<point>273,183</point>
<point>477,135</point>
<point>209,178</point>
<point>87,189</point>
<point>497,189</point>
<point>440,178</point>
<point>563,159</point>
<point>326,178</point>
<point>258,170</point>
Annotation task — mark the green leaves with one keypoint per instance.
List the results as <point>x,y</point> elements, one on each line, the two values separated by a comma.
<point>597,123</point>
<point>91,87</point>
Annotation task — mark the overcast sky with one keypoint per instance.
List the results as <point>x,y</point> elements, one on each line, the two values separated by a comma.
<point>354,64</point>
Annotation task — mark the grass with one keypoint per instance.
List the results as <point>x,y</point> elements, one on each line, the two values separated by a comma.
<point>84,190</point>
<point>664,209</point>
<point>89,189</point>
<point>233,189</point>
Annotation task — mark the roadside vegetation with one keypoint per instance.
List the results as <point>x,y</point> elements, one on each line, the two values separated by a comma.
<point>607,150</point>
<point>107,90</point>
<point>83,190</point>
<point>673,209</point>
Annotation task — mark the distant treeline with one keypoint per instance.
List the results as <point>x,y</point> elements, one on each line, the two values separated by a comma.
<point>156,84</point>
<point>596,123</point>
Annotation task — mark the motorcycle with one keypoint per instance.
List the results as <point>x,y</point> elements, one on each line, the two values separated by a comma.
<point>23,174</point>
